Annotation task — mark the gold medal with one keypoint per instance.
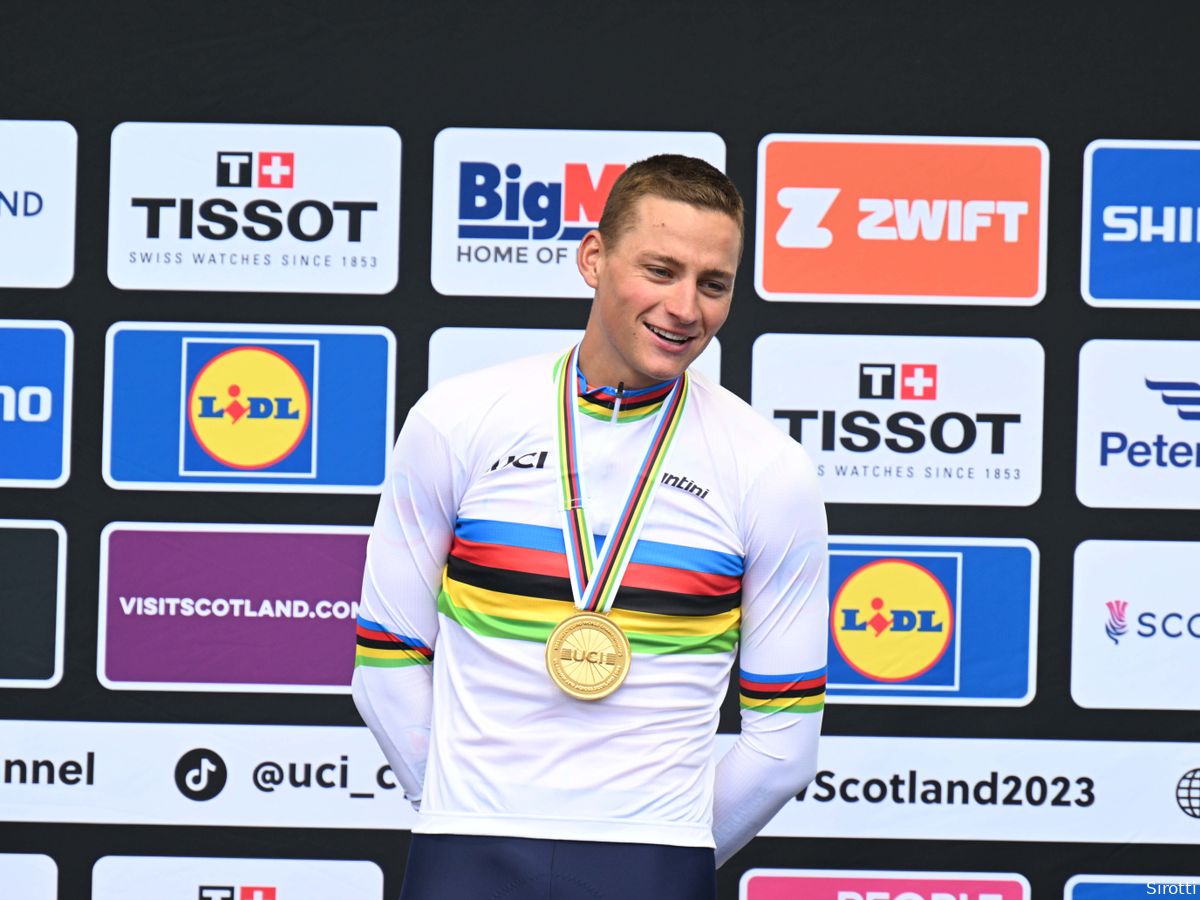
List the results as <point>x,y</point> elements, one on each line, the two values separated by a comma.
<point>587,656</point>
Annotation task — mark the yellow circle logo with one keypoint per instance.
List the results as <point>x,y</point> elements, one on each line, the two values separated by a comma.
<point>892,620</point>
<point>249,408</point>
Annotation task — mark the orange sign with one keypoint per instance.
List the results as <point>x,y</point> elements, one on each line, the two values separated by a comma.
<point>911,220</point>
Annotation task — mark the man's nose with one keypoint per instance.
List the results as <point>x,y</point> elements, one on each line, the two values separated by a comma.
<point>683,302</point>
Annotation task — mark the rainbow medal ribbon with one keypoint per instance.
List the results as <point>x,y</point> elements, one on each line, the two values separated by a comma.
<point>587,654</point>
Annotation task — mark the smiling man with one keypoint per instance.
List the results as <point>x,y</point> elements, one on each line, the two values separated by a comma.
<point>544,648</point>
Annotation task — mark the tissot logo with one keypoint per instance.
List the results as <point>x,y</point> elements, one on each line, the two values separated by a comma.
<point>237,169</point>
<point>199,207</point>
<point>1139,424</point>
<point>877,381</point>
<point>865,218</point>
<point>962,426</point>
<point>509,205</point>
<point>229,892</point>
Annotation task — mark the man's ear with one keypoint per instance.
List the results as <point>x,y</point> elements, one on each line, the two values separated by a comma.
<point>589,257</point>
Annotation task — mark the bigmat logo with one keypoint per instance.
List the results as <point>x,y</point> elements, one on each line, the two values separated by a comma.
<point>858,884</point>
<point>933,621</point>
<point>36,360</point>
<point>870,218</point>
<point>1141,224</point>
<point>30,876</point>
<point>909,419</point>
<point>37,203</point>
<point>250,408</point>
<point>1130,887</point>
<point>214,878</point>
<point>295,208</point>
<point>455,351</point>
<point>265,607</point>
<point>510,205</point>
<point>1139,424</point>
<point>1135,625</point>
<point>33,604</point>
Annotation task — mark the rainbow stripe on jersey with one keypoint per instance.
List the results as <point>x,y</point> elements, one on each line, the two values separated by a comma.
<point>801,692</point>
<point>636,404</point>
<point>376,646</point>
<point>510,580</point>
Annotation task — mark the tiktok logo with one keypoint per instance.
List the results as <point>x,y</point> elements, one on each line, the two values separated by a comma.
<point>200,774</point>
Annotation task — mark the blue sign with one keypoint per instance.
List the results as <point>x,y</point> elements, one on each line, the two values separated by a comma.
<point>932,620</point>
<point>1127,887</point>
<point>35,402</point>
<point>266,408</point>
<point>1141,242</point>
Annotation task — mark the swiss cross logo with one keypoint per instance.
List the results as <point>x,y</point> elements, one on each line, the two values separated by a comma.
<point>275,170</point>
<point>257,893</point>
<point>918,382</point>
<point>877,381</point>
<point>268,169</point>
<point>869,218</point>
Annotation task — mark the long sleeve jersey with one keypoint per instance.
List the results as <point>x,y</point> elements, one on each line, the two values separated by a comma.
<point>466,577</point>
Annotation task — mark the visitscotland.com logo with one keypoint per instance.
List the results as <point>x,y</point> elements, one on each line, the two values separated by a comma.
<point>1117,626</point>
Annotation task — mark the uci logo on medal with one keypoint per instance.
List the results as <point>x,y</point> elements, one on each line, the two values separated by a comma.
<point>892,620</point>
<point>249,407</point>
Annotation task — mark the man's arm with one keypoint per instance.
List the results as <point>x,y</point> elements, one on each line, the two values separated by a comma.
<point>784,640</point>
<point>398,623</point>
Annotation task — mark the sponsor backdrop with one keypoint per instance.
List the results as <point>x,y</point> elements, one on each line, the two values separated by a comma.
<point>237,244</point>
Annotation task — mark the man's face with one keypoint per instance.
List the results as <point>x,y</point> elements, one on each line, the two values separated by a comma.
<point>663,290</point>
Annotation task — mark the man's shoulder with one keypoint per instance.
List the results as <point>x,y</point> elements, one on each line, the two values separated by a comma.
<point>739,422</point>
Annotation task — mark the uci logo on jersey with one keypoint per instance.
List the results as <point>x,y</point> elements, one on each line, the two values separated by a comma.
<point>892,620</point>
<point>913,220</point>
<point>249,406</point>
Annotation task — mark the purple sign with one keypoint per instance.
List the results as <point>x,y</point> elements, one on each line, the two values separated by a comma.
<point>229,607</point>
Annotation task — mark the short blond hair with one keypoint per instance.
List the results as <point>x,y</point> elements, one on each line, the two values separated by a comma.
<point>672,177</point>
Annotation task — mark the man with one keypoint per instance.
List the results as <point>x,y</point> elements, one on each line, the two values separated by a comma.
<point>556,732</point>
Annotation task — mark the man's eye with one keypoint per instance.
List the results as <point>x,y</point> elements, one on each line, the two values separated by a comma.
<point>659,271</point>
<point>715,287</point>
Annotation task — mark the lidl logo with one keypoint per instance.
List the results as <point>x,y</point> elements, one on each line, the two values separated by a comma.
<point>892,620</point>
<point>932,620</point>
<point>36,359</point>
<point>205,405</point>
<point>1141,224</point>
<point>911,220</point>
<point>510,205</point>
<point>250,407</point>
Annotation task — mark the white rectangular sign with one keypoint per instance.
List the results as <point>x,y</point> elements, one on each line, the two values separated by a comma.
<point>941,420</point>
<point>510,204</point>
<point>28,876</point>
<point>282,776</point>
<point>1139,424</point>
<point>1135,625</point>
<point>209,878</point>
<point>37,203</point>
<point>215,207</point>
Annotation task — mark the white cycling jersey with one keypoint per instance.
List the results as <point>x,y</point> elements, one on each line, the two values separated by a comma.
<point>466,577</point>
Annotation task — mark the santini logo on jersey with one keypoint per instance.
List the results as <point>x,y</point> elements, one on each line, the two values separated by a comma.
<point>684,484</point>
